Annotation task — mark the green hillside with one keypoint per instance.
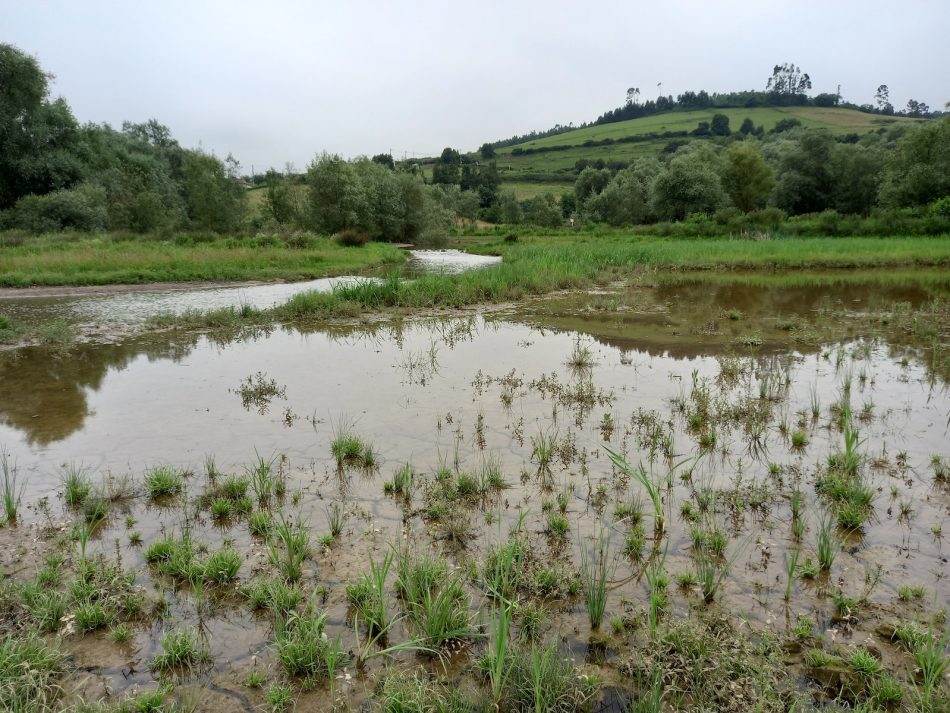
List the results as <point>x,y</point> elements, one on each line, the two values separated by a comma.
<point>513,166</point>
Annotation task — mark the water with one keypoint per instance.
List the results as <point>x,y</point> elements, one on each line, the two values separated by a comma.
<point>119,312</point>
<point>463,391</point>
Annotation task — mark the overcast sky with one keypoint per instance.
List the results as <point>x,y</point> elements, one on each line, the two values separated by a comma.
<point>282,80</point>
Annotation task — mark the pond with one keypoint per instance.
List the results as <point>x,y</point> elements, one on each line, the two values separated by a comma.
<point>732,398</point>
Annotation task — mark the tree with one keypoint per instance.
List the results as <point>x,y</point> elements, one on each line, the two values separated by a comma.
<point>447,168</point>
<point>690,184</point>
<point>38,137</point>
<point>591,181</point>
<point>720,125</point>
<point>856,172</point>
<point>384,159</point>
<point>883,98</point>
<point>280,199</point>
<point>626,199</point>
<point>337,200</point>
<point>542,211</point>
<point>746,177</point>
<point>788,83</point>
<point>918,170</point>
<point>785,125</point>
<point>509,209</point>
<point>633,95</point>
<point>487,151</point>
<point>826,99</point>
<point>805,183</point>
<point>214,199</point>
<point>916,108</point>
<point>748,127</point>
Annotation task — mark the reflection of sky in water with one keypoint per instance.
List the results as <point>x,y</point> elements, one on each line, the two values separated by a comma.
<point>129,308</point>
<point>449,262</point>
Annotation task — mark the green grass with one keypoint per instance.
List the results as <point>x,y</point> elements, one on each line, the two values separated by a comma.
<point>163,481</point>
<point>836,120</point>
<point>119,259</point>
<point>303,649</point>
<point>560,260</point>
<point>29,667</point>
<point>183,648</point>
<point>524,190</point>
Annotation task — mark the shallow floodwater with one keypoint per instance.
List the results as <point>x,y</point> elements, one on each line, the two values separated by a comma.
<point>460,391</point>
<point>120,311</point>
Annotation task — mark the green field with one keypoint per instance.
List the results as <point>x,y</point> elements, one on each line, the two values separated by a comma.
<point>833,119</point>
<point>530,189</point>
<point>106,259</point>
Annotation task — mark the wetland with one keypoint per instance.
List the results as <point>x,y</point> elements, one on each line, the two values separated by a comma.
<point>674,491</point>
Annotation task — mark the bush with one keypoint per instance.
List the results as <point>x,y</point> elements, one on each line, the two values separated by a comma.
<point>767,217</point>
<point>351,238</point>
<point>940,208</point>
<point>725,216</point>
<point>79,208</point>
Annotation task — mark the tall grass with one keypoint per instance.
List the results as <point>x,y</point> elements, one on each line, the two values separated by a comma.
<point>9,492</point>
<point>597,567</point>
<point>288,547</point>
<point>28,670</point>
<point>497,660</point>
<point>827,542</point>
<point>368,594</point>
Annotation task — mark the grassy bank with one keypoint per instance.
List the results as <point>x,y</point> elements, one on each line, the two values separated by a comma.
<point>536,266</point>
<point>105,259</point>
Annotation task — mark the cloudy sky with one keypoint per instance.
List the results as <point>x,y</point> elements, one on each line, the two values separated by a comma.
<point>282,80</point>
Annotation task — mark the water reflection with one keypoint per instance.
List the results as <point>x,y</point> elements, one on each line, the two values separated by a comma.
<point>49,397</point>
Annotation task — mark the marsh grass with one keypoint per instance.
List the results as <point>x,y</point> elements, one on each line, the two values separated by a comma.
<point>182,649</point>
<point>261,476</point>
<point>598,564</point>
<point>163,481</point>
<point>76,484</point>
<point>503,568</point>
<point>288,546</point>
<point>496,662</point>
<point>930,655</point>
<point>303,649</point>
<point>279,697</point>
<point>336,518</point>
<point>222,566</point>
<point>29,667</point>
<point>368,595</point>
<point>348,448</point>
<point>401,483</point>
<point>652,484</point>
<point>543,449</point>
<point>827,542</point>
<point>11,492</point>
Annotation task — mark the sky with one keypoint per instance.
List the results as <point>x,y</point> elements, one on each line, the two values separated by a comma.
<point>281,81</point>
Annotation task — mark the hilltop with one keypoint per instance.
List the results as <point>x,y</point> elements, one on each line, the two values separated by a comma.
<point>553,158</point>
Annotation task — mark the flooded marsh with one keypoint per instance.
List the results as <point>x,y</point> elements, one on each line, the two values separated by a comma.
<point>693,494</point>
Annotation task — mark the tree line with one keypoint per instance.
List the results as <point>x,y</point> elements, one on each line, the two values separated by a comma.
<point>790,172</point>
<point>56,174</point>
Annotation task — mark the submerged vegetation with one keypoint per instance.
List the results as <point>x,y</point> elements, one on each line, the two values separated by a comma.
<point>716,545</point>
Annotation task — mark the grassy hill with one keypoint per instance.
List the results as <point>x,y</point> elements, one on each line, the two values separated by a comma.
<point>559,164</point>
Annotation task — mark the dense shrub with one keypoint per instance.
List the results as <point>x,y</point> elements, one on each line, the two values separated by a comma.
<point>351,238</point>
<point>79,208</point>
